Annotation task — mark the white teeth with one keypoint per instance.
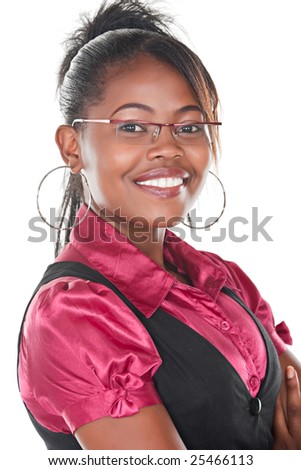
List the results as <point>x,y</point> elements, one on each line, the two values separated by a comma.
<point>163,182</point>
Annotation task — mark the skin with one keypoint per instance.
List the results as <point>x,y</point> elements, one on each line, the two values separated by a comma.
<point>287,418</point>
<point>111,169</point>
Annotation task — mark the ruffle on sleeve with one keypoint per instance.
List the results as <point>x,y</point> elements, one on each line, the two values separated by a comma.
<point>126,391</point>
<point>129,394</point>
<point>283,332</point>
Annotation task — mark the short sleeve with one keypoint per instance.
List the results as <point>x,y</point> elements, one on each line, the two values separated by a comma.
<point>86,355</point>
<point>279,334</point>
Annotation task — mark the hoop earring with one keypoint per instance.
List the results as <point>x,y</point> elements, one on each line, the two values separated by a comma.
<point>217,219</point>
<point>84,183</point>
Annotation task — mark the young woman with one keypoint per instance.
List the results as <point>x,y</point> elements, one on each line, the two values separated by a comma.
<point>134,339</point>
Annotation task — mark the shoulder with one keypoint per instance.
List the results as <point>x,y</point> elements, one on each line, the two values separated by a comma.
<point>238,279</point>
<point>67,292</point>
<point>250,294</point>
<point>232,270</point>
<point>76,311</point>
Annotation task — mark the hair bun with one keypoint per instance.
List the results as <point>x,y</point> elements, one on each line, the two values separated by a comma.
<point>122,14</point>
<point>113,15</point>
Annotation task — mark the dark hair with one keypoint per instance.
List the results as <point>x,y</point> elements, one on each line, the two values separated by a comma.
<point>120,31</point>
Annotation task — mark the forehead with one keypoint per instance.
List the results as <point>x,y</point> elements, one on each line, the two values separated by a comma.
<point>148,81</point>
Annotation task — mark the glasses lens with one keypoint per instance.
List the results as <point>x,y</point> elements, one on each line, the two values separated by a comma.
<point>136,132</point>
<point>192,133</point>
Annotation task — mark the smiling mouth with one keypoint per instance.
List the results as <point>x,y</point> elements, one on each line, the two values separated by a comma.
<point>163,188</point>
<point>162,182</point>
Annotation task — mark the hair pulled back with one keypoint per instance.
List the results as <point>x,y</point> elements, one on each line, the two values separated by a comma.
<point>120,31</point>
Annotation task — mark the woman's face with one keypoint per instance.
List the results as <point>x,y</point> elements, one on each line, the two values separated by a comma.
<point>156,183</point>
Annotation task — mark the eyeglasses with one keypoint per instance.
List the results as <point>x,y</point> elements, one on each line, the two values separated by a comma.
<point>146,133</point>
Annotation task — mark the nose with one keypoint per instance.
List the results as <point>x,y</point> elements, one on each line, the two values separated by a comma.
<point>165,145</point>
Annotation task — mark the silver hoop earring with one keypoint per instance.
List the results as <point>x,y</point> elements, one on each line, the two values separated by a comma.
<point>189,218</point>
<point>66,176</point>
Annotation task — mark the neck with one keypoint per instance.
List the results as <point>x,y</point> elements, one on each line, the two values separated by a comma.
<point>147,239</point>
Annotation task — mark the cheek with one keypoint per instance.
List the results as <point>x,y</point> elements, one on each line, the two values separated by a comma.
<point>104,155</point>
<point>204,158</point>
<point>200,161</point>
<point>96,164</point>
<point>107,168</point>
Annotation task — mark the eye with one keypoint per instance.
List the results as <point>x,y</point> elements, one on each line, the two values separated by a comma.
<point>190,128</point>
<point>131,127</point>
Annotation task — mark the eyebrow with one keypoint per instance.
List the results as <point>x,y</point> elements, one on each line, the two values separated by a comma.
<point>144,107</point>
<point>190,107</point>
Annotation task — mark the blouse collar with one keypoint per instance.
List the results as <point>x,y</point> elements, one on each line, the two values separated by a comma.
<point>138,277</point>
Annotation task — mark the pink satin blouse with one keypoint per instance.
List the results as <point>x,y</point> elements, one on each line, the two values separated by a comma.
<point>85,355</point>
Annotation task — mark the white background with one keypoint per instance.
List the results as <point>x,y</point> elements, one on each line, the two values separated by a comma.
<point>252,50</point>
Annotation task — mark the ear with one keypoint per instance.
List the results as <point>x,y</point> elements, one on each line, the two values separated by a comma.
<point>67,140</point>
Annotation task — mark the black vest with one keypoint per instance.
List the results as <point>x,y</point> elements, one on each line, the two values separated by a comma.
<point>206,399</point>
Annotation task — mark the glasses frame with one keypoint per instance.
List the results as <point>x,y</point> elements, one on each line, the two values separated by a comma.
<point>159,125</point>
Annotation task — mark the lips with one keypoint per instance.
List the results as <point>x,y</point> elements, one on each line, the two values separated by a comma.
<point>163,182</point>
